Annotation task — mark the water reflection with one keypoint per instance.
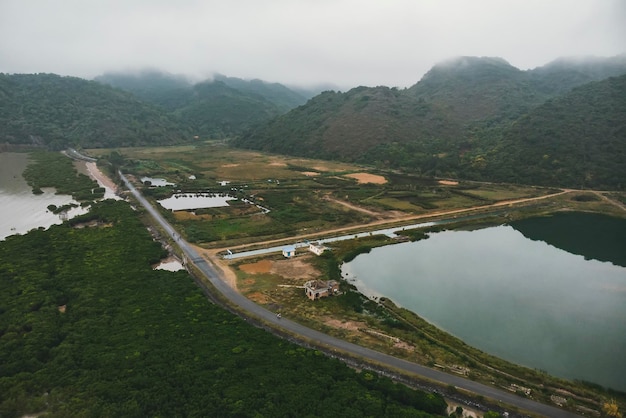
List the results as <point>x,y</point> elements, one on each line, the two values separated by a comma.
<point>522,300</point>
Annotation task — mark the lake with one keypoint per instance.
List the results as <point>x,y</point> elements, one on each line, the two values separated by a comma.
<point>518,298</point>
<point>20,209</point>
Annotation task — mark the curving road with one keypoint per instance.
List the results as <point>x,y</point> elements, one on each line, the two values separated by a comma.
<point>326,340</point>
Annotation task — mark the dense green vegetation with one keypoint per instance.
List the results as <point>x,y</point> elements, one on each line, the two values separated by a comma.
<point>48,169</point>
<point>88,328</point>
<point>578,139</point>
<point>219,107</point>
<point>473,118</point>
<point>56,112</point>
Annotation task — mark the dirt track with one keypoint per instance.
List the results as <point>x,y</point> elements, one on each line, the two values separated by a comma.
<point>231,278</point>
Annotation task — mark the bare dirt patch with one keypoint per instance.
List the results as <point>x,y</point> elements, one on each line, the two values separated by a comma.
<point>321,168</point>
<point>183,215</point>
<point>367,178</point>
<point>294,269</point>
<point>258,297</point>
<point>259,267</point>
<point>310,173</point>
<point>278,164</point>
<point>230,165</point>
<point>448,182</point>
<point>348,325</point>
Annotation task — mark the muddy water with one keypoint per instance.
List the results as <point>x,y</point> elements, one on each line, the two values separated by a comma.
<point>20,209</point>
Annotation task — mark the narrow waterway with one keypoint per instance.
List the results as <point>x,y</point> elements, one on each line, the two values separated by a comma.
<point>523,300</point>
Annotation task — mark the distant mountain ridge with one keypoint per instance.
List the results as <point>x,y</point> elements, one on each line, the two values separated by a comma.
<point>460,119</point>
<point>218,107</point>
<point>470,117</point>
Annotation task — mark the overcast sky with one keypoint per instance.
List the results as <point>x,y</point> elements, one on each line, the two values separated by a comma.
<point>302,42</point>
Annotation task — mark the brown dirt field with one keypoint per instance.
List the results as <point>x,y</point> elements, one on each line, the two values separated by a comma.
<point>310,173</point>
<point>367,178</point>
<point>294,269</point>
<point>230,165</point>
<point>262,266</point>
<point>288,269</point>
<point>183,215</point>
<point>277,164</point>
<point>321,168</point>
<point>349,325</point>
<point>259,298</point>
<point>448,182</point>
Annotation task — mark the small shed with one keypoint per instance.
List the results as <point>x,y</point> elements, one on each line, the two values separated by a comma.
<point>317,248</point>
<point>289,251</point>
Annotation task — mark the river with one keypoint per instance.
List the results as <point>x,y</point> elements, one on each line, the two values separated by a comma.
<point>520,299</point>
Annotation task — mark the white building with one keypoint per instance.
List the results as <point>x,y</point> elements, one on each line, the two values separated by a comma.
<point>289,251</point>
<point>317,248</point>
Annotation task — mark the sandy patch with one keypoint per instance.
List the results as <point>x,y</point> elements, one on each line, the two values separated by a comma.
<point>310,173</point>
<point>367,178</point>
<point>321,168</point>
<point>62,308</point>
<point>277,164</point>
<point>230,165</point>
<point>448,182</point>
<point>102,180</point>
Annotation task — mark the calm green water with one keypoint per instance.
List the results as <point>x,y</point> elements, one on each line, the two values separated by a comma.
<point>520,299</point>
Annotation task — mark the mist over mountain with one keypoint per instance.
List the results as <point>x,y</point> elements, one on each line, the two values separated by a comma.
<point>468,117</point>
<point>461,119</point>
<point>218,107</point>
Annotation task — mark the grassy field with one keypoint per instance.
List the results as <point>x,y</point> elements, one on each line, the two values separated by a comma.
<point>302,195</point>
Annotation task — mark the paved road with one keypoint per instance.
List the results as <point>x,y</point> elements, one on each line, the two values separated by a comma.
<point>326,340</point>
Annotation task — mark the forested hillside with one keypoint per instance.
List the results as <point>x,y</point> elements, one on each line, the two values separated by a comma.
<point>469,117</point>
<point>578,139</point>
<point>56,112</point>
<point>344,125</point>
<point>218,107</point>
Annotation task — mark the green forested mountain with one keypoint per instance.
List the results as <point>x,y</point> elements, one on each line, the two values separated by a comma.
<point>563,74</point>
<point>345,125</point>
<point>284,98</point>
<point>578,139</point>
<point>54,111</point>
<point>166,90</point>
<point>221,106</point>
<point>462,118</point>
<point>471,89</point>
